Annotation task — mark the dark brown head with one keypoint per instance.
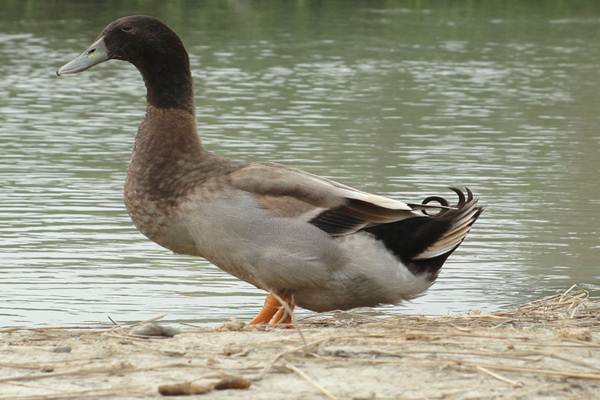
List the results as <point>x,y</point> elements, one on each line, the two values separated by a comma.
<point>156,51</point>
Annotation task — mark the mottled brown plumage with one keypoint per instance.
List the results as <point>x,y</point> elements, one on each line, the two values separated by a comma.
<point>167,164</point>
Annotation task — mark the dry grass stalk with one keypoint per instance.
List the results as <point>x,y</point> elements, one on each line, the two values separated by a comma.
<point>114,368</point>
<point>554,337</point>
<point>82,394</point>
<point>499,377</point>
<point>565,374</point>
<point>304,347</point>
<point>290,312</point>
<point>308,379</point>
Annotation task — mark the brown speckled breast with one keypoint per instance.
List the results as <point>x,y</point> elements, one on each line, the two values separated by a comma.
<point>167,164</point>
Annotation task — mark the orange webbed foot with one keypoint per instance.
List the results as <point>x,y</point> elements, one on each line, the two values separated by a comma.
<point>277,310</point>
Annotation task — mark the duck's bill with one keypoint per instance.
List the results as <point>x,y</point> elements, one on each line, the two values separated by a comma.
<point>95,54</point>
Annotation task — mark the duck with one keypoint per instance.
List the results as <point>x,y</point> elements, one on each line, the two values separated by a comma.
<point>307,240</point>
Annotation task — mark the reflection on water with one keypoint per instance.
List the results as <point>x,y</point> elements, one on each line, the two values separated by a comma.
<point>399,101</point>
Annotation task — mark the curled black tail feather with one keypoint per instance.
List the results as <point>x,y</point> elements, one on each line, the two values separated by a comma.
<point>423,243</point>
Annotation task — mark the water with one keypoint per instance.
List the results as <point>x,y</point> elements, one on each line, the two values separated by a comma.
<point>401,99</point>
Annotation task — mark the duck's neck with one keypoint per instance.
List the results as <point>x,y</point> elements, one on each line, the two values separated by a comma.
<point>169,81</point>
<point>167,148</point>
<point>169,127</point>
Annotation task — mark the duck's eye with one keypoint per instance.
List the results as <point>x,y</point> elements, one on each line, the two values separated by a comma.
<point>127,28</point>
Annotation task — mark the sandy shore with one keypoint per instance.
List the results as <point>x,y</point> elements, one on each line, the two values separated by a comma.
<point>548,349</point>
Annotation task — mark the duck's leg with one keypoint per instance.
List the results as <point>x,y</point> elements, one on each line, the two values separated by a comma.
<point>285,311</point>
<point>268,311</point>
<point>274,312</point>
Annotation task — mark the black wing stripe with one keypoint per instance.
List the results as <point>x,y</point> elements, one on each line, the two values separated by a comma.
<point>337,221</point>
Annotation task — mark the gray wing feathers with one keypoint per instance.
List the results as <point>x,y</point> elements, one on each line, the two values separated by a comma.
<point>342,209</point>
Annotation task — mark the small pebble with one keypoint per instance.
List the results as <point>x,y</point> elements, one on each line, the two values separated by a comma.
<point>61,349</point>
<point>232,325</point>
<point>232,349</point>
<point>154,329</point>
<point>212,362</point>
<point>47,368</point>
<point>183,389</point>
<point>233,382</point>
<point>174,353</point>
<point>418,336</point>
<point>583,334</point>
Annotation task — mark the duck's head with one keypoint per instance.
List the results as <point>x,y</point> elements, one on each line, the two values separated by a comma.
<point>150,45</point>
<point>138,39</point>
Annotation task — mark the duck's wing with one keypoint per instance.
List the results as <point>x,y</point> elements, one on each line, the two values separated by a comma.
<point>332,207</point>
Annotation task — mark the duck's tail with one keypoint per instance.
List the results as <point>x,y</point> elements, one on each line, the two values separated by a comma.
<point>424,243</point>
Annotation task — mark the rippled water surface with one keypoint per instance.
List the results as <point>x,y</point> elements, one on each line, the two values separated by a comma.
<point>499,96</point>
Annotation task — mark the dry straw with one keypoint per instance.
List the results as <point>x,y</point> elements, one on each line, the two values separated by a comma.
<point>538,346</point>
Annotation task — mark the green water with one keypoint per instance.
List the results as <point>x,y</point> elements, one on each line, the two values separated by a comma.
<point>398,98</point>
